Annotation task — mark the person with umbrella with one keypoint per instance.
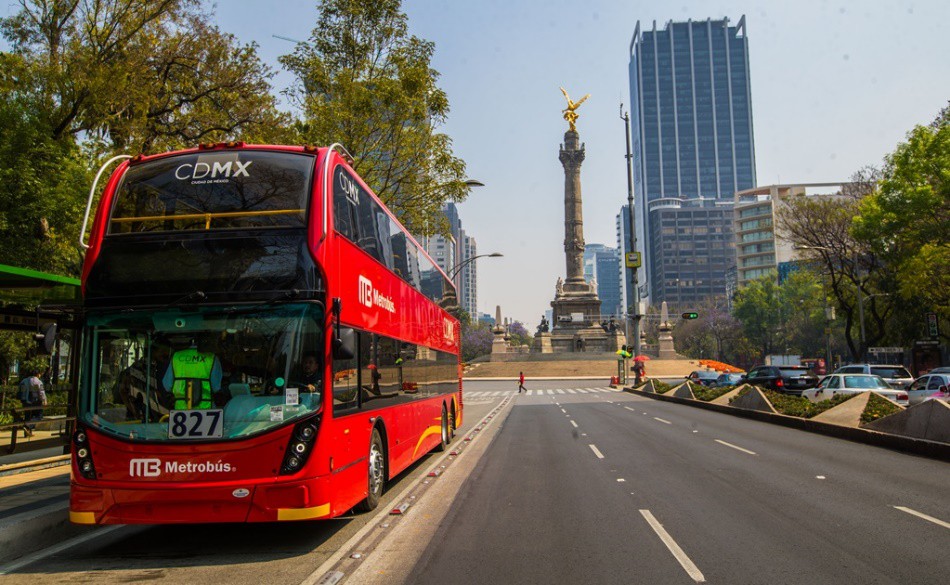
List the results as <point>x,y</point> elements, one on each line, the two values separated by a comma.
<point>639,371</point>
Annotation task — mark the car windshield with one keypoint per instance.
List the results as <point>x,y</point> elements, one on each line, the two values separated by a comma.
<point>257,367</point>
<point>890,372</point>
<point>864,382</point>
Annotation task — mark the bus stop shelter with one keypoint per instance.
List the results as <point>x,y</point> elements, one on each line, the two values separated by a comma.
<point>32,302</point>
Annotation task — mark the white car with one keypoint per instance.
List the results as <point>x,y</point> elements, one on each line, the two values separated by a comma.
<point>897,376</point>
<point>836,384</point>
<point>928,385</point>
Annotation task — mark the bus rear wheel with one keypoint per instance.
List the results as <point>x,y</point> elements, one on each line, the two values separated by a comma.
<point>376,474</point>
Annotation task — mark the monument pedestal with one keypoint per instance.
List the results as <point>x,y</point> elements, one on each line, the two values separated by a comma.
<point>542,343</point>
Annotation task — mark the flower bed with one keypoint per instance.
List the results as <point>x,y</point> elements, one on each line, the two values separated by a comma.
<point>707,394</point>
<point>878,407</point>
<point>661,387</point>
<point>796,405</point>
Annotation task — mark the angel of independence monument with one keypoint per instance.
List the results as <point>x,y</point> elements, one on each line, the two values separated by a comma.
<point>576,323</point>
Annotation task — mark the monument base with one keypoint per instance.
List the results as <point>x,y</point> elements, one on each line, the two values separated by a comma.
<point>542,343</point>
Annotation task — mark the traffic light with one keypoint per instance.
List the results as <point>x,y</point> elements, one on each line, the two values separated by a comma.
<point>691,315</point>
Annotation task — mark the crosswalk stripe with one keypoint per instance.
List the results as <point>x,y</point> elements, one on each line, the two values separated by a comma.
<point>571,391</point>
<point>582,390</point>
<point>559,391</point>
<point>530,392</point>
<point>550,392</point>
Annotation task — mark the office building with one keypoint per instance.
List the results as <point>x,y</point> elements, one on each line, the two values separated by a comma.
<point>757,213</point>
<point>450,253</point>
<point>693,148</point>
<point>603,264</point>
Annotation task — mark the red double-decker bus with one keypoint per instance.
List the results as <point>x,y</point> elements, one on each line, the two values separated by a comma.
<point>262,341</point>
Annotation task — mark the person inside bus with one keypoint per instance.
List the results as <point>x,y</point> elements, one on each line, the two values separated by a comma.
<point>194,378</point>
<point>139,382</point>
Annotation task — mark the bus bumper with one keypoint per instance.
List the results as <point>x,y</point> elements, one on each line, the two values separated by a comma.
<point>299,500</point>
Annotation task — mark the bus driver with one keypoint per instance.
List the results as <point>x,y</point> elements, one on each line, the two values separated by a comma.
<point>192,377</point>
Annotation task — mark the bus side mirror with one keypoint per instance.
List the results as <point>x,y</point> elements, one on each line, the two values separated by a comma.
<point>46,339</point>
<point>344,344</point>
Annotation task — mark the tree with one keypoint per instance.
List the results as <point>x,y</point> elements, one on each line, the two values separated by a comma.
<point>138,75</point>
<point>821,227</point>
<point>364,82</point>
<point>519,334</point>
<point>757,307</point>
<point>906,220</point>
<point>476,340</point>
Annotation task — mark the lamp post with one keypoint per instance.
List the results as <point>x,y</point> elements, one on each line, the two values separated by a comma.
<point>458,267</point>
<point>635,317</point>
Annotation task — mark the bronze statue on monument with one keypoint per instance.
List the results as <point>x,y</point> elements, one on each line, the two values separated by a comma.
<point>570,113</point>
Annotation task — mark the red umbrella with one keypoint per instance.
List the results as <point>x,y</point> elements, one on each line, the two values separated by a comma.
<point>641,358</point>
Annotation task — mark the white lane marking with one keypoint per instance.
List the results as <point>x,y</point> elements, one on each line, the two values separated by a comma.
<point>936,521</point>
<point>662,420</point>
<point>46,552</point>
<point>691,569</point>
<point>819,477</point>
<point>574,423</point>
<point>621,480</point>
<point>596,452</point>
<point>630,409</point>
<point>564,411</point>
<point>571,391</point>
<point>582,390</point>
<point>559,391</point>
<point>736,447</point>
<point>529,393</point>
<point>550,392</point>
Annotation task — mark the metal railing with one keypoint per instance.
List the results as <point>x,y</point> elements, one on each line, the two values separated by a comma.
<point>25,420</point>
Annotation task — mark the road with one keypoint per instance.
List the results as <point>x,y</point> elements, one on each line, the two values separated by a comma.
<point>573,482</point>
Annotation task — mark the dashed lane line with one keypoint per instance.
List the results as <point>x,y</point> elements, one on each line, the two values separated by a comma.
<point>936,521</point>
<point>574,423</point>
<point>662,420</point>
<point>736,447</point>
<point>596,451</point>
<point>691,569</point>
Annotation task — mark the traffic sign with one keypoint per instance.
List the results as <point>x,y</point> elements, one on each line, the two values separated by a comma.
<point>633,260</point>
<point>933,327</point>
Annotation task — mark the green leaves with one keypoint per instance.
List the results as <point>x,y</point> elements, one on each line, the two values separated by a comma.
<point>364,82</point>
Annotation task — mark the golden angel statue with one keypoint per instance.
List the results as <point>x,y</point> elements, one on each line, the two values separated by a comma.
<point>569,114</point>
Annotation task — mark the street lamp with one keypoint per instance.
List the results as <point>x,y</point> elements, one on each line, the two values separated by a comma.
<point>458,267</point>
<point>633,237</point>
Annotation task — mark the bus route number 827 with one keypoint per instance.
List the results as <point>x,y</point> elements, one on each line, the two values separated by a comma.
<point>194,424</point>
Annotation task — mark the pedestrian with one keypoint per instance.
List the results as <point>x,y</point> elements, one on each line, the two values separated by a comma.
<point>638,372</point>
<point>32,395</point>
<point>521,382</point>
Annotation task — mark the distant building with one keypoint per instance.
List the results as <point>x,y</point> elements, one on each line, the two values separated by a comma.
<point>625,276</point>
<point>691,117</point>
<point>603,263</point>
<point>756,215</point>
<point>451,253</point>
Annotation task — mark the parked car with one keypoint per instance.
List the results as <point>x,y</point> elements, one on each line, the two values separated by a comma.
<point>928,385</point>
<point>787,379</point>
<point>896,376</point>
<point>940,370</point>
<point>729,379</point>
<point>836,384</point>
<point>703,377</point>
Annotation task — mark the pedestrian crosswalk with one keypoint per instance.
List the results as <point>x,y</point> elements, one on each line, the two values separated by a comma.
<point>549,392</point>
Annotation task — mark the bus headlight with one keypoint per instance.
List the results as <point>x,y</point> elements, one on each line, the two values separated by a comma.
<point>83,454</point>
<point>300,445</point>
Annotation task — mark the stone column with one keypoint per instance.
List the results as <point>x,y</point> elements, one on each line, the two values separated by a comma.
<point>571,157</point>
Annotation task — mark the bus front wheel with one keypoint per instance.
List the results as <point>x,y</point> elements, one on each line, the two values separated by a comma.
<point>376,475</point>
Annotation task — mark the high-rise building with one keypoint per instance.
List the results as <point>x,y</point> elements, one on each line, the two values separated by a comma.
<point>451,253</point>
<point>625,277</point>
<point>692,134</point>
<point>603,264</point>
<point>468,289</point>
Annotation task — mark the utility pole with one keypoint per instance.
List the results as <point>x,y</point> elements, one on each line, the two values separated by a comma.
<point>635,317</point>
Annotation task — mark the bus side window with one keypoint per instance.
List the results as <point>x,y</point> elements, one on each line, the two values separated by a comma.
<point>344,207</point>
<point>345,385</point>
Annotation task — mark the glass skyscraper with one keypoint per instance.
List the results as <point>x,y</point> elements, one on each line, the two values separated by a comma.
<point>691,123</point>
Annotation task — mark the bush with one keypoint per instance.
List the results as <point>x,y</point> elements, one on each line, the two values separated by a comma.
<point>705,393</point>
<point>661,387</point>
<point>878,407</point>
<point>802,407</point>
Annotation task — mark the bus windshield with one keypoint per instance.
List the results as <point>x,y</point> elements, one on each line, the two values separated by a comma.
<point>253,368</point>
<point>214,190</point>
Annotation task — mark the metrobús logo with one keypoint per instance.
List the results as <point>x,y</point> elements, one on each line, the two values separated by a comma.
<point>220,171</point>
<point>370,297</point>
<point>154,467</point>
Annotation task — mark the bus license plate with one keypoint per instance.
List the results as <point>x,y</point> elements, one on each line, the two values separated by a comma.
<point>195,424</point>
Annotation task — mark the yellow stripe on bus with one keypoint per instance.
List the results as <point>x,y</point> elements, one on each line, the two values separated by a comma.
<point>303,513</point>
<point>429,431</point>
<point>82,517</point>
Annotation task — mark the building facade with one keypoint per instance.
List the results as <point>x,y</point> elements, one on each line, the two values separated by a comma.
<point>603,264</point>
<point>756,214</point>
<point>691,116</point>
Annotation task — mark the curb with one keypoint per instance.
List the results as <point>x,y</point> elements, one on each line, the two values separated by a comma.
<point>34,530</point>
<point>34,465</point>
<point>923,447</point>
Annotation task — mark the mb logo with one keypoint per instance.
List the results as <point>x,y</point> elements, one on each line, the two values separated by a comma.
<point>366,291</point>
<point>145,467</point>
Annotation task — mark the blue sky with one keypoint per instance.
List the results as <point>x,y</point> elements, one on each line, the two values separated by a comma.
<point>835,86</point>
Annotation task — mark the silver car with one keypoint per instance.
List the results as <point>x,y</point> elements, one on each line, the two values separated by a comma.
<point>896,376</point>
<point>928,385</point>
<point>836,384</point>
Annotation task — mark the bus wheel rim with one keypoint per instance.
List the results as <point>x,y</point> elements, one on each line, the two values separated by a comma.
<point>375,468</point>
